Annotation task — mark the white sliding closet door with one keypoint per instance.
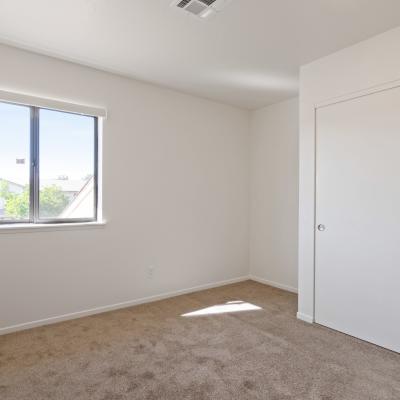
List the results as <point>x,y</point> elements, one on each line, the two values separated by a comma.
<point>357,271</point>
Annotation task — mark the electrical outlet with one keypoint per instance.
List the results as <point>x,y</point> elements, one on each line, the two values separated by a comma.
<point>150,271</point>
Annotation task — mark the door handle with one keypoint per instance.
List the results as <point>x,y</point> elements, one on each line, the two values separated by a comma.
<point>321,227</point>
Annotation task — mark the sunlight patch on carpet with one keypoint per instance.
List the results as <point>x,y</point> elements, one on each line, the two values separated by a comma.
<point>229,307</point>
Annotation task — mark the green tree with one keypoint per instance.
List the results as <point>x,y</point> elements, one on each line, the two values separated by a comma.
<point>52,201</point>
<point>16,204</point>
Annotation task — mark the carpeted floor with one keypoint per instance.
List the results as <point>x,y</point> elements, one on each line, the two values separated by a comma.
<point>153,352</point>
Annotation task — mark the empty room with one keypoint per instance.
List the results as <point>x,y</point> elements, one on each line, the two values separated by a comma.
<point>200,199</point>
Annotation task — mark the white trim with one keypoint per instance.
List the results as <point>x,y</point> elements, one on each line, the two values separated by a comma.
<point>360,93</point>
<point>100,129</point>
<point>125,304</point>
<point>28,100</point>
<point>29,228</point>
<point>305,318</point>
<point>274,284</point>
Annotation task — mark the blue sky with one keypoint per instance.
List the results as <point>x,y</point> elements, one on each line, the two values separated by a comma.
<point>66,144</point>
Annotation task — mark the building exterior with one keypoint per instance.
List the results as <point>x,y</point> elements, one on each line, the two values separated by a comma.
<point>79,194</point>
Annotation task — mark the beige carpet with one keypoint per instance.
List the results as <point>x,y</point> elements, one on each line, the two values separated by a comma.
<point>153,352</point>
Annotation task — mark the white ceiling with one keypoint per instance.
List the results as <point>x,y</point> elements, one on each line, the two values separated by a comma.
<point>248,55</point>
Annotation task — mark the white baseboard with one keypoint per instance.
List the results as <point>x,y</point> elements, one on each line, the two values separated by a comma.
<point>305,317</point>
<point>274,284</point>
<point>125,304</point>
<point>301,316</point>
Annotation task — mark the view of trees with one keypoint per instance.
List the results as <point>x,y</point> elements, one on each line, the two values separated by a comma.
<point>52,201</point>
<point>16,205</point>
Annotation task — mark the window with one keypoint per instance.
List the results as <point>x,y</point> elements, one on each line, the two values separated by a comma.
<point>48,165</point>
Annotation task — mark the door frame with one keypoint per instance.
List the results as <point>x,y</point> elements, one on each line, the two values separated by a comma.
<point>339,99</point>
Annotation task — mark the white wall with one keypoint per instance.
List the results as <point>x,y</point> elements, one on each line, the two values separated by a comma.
<point>274,194</point>
<point>366,65</point>
<point>176,196</point>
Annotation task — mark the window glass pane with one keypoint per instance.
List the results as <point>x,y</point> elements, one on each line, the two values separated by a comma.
<point>66,170</point>
<point>14,162</point>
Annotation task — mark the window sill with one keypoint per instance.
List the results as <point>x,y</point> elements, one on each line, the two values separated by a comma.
<point>23,228</point>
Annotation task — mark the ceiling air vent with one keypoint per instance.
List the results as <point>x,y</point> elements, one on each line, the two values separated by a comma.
<point>200,8</point>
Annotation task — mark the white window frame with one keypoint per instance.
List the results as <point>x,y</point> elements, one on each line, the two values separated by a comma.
<point>35,104</point>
